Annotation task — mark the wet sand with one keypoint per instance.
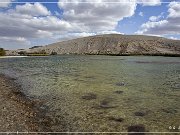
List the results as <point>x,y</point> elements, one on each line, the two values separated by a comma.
<point>18,112</point>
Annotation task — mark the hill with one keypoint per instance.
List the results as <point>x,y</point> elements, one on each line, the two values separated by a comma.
<point>114,44</point>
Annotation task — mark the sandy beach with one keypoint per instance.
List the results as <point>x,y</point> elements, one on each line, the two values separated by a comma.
<point>18,112</point>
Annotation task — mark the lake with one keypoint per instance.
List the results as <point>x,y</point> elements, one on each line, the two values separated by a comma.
<point>102,93</point>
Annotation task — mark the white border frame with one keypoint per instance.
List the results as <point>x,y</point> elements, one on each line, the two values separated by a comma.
<point>130,1</point>
<point>89,132</point>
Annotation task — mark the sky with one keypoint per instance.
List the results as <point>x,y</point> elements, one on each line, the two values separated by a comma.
<point>27,23</point>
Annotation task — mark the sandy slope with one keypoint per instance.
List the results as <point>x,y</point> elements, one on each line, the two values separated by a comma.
<point>114,44</point>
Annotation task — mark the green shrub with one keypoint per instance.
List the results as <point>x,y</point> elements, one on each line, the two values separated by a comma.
<point>22,53</point>
<point>40,53</point>
<point>36,54</point>
<point>53,53</point>
<point>2,52</point>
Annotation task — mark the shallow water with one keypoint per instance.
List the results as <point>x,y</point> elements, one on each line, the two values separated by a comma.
<point>103,93</point>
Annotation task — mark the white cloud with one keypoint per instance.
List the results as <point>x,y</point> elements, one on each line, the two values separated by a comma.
<point>34,22</point>
<point>156,18</point>
<point>109,32</point>
<point>149,2</point>
<point>141,14</point>
<point>12,42</point>
<point>154,28</point>
<point>49,23</point>
<point>69,36</point>
<point>174,10</point>
<point>173,38</point>
<point>19,39</point>
<point>57,13</point>
<point>35,9</point>
<point>93,17</point>
<point>168,26</point>
<point>5,3</point>
<point>101,15</point>
<point>31,27</point>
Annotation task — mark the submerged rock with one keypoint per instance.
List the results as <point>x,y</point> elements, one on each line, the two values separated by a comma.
<point>89,96</point>
<point>120,84</point>
<point>136,128</point>
<point>106,104</point>
<point>140,114</point>
<point>118,92</point>
<point>90,77</point>
<point>116,119</point>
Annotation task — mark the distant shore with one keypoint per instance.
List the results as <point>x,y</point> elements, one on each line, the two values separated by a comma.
<point>108,54</point>
<point>107,44</point>
<point>18,112</point>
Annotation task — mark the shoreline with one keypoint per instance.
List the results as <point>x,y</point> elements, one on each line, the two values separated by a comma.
<point>3,57</point>
<point>19,112</point>
<point>86,54</point>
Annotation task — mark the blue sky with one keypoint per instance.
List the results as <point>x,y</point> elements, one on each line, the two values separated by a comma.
<point>132,24</point>
<point>26,23</point>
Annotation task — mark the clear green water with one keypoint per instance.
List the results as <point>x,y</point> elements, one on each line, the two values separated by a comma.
<point>81,91</point>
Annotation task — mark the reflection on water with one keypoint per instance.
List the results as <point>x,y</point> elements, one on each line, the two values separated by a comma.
<point>103,93</point>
